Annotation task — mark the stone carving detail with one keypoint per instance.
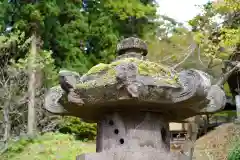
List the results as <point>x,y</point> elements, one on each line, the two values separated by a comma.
<point>52,100</point>
<point>130,92</point>
<point>132,45</point>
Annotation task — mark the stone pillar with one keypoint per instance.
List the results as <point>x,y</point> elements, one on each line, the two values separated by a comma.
<point>124,136</point>
<point>141,130</point>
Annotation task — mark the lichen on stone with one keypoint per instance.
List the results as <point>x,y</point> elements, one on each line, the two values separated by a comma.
<point>108,77</point>
<point>86,85</point>
<point>98,68</point>
<point>145,68</point>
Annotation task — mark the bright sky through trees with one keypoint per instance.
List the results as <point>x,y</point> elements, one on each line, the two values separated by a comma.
<point>181,10</point>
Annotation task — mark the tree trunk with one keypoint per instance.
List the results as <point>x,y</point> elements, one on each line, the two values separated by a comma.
<point>7,123</point>
<point>7,127</point>
<point>31,88</point>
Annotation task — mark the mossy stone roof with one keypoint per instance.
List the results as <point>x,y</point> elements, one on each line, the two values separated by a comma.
<point>145,68</point>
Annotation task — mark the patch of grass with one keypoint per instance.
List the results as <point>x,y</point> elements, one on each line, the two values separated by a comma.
<point>235,153</point>
<point>50,146</point>
<point>225,113</point>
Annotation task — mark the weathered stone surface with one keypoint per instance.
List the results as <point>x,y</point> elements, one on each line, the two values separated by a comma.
<point>132,44</point>
<point>139,85</point>
<point>133,131</point>
<point>68,79</point>
<point>52,100</point>
<point>122,153</point>
<point>135,84</point>
<point>217,99</point>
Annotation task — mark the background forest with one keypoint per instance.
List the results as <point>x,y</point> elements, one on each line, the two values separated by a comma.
<point>38,38</point>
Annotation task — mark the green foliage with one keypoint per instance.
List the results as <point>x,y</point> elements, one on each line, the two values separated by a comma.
<point>82,130</point>
<point>235,153</point>
<point>168,49</point>
<point>227,90</point>
<point>48,146</point>
<point>124,9</point>
<point>44,63</point>
<point>17,146</point>
<point>79,33</point>
<point>226,6</point>
<point>217,39</point>
<point>48,68</point>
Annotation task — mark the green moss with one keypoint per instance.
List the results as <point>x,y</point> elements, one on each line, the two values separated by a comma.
<point>145,68</point>
<point>87,84</point>
<point>98,68</point>
<point>107,77</point>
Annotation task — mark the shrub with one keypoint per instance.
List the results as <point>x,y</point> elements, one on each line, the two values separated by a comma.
<point>82,130</point>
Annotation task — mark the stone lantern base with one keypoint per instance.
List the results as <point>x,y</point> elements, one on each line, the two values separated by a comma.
<point>142,154</point>
<point>131,136</point>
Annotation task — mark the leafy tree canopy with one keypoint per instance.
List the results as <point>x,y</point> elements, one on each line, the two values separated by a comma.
<point>79,33</point>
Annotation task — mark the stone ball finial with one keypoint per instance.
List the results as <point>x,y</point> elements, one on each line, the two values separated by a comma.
<point>134,44</point>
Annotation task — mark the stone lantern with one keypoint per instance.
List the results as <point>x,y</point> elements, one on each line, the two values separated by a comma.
<point>132,100</point>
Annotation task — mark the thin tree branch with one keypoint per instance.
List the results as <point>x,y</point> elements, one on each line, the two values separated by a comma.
<point>199,56</point>
<point>193,47</point>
